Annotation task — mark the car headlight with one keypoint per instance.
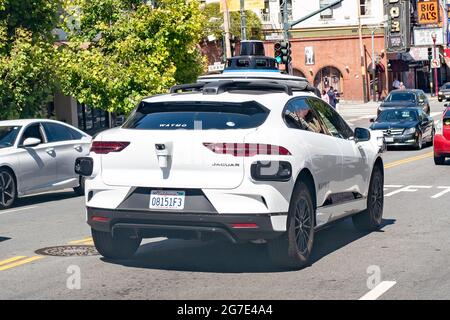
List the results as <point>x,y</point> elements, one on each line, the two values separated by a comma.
<point>439,127</point>
<point>409,131</point>
<point>440,92</point>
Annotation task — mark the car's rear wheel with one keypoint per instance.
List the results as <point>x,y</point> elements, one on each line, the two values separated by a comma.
<point>371,218</point>
<point>439,161</point>
<point>117,247</point>
<point>80,189</point>
<point>294,247</point>
<point>8,190</point>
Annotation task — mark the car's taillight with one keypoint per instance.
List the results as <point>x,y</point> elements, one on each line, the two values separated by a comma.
<point>105,147</point>
<point>246,149</point>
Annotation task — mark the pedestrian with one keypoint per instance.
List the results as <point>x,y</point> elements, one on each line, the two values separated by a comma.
<point>337,98</point>
<point>325,97</point>
<point>396,84</point>
<point>332,97</point>
<point>402,86</point>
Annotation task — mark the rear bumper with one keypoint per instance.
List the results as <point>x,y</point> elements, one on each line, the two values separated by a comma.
<point>184,225</point>
<point>441,146</point>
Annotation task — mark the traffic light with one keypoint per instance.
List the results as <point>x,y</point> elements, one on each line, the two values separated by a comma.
<point>286,52</point>
<point>277,52</point>
<point>430,54</point>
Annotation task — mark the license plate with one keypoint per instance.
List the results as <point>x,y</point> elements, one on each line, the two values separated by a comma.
<point>167,200</point>
<point>389,139</point>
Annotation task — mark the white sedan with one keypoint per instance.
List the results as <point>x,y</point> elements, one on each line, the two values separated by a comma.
<point>39,156</point>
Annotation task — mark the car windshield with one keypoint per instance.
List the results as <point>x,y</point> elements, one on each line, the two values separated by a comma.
<point>398,116</point>
<point>8,135</point>
<point>446,86</point>
<point>401,96</point>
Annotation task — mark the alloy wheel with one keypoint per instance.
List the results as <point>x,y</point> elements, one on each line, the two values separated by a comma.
<point>302,225</point>
<point>7,189</point>
<point>377,198</point>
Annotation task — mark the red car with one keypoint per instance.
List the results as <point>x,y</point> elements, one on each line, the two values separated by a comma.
<point>442,139</point>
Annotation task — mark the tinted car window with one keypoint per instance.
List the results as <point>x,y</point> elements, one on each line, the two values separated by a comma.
<point>197,115</point>
<point>56,132</point>
<point>401,96</point>
<point>298,114</point>
<point>33,131</point>
<point>8,135</point>
<point>336,126</point>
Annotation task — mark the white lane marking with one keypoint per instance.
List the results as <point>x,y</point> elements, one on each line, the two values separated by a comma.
<point>440,194</point>
<point>433,114</point>
<point>378,291</point>
<point>407,189</point>
<point>389,186</point>
<point>15,210</point>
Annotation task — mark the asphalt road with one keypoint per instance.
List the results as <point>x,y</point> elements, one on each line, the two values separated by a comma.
<point>407,259</point>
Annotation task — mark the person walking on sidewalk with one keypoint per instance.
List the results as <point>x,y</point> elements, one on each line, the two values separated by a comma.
<point>332,97</point>
<point>396,84</point>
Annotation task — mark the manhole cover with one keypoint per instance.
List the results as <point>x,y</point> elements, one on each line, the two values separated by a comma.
<point>68,251</point>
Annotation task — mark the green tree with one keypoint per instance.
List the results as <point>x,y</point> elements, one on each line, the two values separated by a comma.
<point>125,50</point>
<point>215,22</point>
<point>26,56</point>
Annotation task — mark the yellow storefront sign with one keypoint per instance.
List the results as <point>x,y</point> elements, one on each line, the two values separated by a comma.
<point>428,12</point>
<point>235,5</point>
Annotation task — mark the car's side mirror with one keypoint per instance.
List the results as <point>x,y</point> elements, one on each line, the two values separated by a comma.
<point>31,142</point>
<point>362,134</point>
<point>372,120</point>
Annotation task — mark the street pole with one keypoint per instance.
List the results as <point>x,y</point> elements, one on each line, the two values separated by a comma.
<point>361,49</point>
<point>374,95</point>
<point>243,22</point>
<point>226,24</point>
<point>436,56</point>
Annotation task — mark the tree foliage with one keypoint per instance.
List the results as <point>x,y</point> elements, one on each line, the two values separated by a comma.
<point>26,56</point>
<point>124,50</point>
<point>215,23</point>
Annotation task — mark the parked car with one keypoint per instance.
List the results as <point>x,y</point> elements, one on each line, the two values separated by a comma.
<point>38,156</point>
<point>405,126</point>
<point>405,98</point>
<point>444,92</point>
<point>442,139</point>
<point>244,160</point>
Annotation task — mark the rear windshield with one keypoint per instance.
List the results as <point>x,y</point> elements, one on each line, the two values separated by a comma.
<point>401,96</point>
<point>447,113</point>
<point>197,115</point>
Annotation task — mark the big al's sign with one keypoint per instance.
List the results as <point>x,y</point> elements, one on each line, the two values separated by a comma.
<point>428,12</point>
<point>398,28</point>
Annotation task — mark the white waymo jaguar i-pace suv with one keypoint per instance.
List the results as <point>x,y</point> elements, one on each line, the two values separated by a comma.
<point>243,160</point>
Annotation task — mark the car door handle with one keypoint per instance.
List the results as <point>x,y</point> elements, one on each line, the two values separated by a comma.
<point>78,148</point>
<point>50,150</point>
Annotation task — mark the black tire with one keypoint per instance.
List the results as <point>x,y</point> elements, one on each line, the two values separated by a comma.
<point>419,142</point>
<point>8,189</point>
<point>80,189</point>
<point>118,247</point>
<point>371,218</point>
<point>293,248</point>
<point>432,138</point>
<point>439,161</point>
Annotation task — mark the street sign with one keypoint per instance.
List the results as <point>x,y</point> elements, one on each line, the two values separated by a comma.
<point>235,5</point>
<point>435,63</point>
<point>428,12</point>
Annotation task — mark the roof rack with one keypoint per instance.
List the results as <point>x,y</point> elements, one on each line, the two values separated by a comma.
<point>221,86</point>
